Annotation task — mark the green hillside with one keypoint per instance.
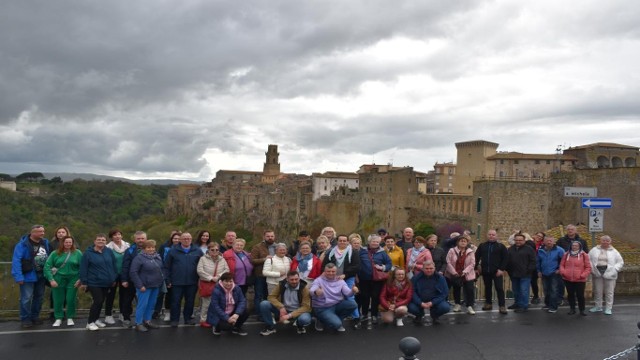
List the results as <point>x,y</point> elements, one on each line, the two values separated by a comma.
<point>85,207</point>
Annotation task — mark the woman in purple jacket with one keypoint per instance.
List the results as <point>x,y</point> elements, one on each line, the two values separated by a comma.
<point>146,274</point>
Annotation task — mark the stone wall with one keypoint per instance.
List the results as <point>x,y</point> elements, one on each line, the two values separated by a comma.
<point>621,185</point>
<point>510,205</point>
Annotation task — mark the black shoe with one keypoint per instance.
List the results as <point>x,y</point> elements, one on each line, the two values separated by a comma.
<point>239,331</point>
<point>357,325</point>
<point>151,325</point>
<point>417,320</point>
<point>37,321</point>
<point>155,315</point>
<point>513,307</point>
<point>190,322</point>
<point>27,324</point>
<point>174,324</point>
<point>572,312</point>
<point>583,313</point>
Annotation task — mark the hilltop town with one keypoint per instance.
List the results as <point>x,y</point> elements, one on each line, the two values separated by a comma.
<point>484,188</point>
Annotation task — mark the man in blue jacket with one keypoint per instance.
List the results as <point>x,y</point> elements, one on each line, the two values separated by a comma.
<point>27,264</point>
<point>182,277</point>
<point>430,292</point>
<point>130,293</point>
<point>548,264</point>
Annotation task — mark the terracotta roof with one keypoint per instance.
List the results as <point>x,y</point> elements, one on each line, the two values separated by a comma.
<point>605,145</point>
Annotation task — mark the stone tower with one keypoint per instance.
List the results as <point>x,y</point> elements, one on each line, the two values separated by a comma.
<point>472,164</point>
<point>271,169</point>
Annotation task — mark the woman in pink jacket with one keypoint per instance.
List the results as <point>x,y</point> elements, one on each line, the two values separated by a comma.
<point>416,257</point>
<point>461,261</point>
<point>574,269</point>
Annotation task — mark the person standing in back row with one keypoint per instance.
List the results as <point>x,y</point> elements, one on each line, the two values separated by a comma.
<point>491,263</point>
<point>521,262</point>
<point>181,276</point>
<point>264,250</point>
<point>27,266</point>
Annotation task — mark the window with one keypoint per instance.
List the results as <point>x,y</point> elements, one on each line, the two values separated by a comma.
<point>516,161</point>
<point>548,162</point>
<point>537,161</point>
<point>501,162</point>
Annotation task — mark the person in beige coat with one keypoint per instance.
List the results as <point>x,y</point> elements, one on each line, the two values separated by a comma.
<point>276,267</point>
<point>210,267</point>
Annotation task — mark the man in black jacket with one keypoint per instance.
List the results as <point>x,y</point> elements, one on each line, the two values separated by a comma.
<point>521,261</point>
<point>491,262</point>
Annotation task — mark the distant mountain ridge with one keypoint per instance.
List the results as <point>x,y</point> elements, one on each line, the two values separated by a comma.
<point>87,176</point>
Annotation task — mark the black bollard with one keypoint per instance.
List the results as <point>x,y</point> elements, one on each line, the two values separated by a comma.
<point>409,346</point>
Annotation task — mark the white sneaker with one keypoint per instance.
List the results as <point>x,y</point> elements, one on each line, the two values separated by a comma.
<point>456,308</point>
<point>100,324</point>
<point>109,320</point>
<point>399,322</point>
<point>167,316</point>
<point>470,310</point>
<point>92,327</point>
<point>70,322</point>
<point>57,323</point>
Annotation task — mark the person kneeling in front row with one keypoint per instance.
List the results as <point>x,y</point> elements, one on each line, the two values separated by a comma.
<point>430,292</point>
<point>290,301</point>
<point>330,299</point>
<point>228,308</point>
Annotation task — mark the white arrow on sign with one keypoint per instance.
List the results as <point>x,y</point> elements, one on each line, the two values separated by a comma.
<point>598,203</point>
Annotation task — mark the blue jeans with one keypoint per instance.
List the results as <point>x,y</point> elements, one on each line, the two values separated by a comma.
<point>435,311</point>
<point>146,304</point>
<point>350,282</point>
<point>521,291</point>
<point>260,293</point>
<point>188,292</point>
<point>267,309</point>
<point>31,296</point>
<point>550,286</point>
<point>332,316</point>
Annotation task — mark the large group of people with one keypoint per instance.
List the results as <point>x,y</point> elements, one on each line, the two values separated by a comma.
<point>375,280</point>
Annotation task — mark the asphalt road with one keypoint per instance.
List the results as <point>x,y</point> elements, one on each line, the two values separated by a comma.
<point>486,335</point>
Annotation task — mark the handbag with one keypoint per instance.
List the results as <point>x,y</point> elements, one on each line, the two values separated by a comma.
<point>54,270</point>
<point>206,287</point>
<point>378,275</point>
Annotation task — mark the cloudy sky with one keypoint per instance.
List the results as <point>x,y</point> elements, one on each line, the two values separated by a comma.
<point>181,89</point>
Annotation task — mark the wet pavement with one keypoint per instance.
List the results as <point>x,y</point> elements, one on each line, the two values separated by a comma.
<point>486,335</point>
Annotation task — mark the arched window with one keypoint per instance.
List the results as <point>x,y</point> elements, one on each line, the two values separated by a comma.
<point>630,162</point>
<point>603,162</point>
<point>616,162</point>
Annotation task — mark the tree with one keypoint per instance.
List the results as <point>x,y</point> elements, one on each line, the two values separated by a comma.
<point>30,176</point>
<point>6,177</point>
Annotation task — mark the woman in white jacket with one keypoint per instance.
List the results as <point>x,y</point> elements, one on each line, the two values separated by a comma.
<point>275,268</point>
<point>606,263</point>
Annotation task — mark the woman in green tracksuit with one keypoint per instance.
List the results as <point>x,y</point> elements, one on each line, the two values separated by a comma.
<point>62,270</point>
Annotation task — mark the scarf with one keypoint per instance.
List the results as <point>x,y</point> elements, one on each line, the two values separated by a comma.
<point>575,253</point>
<point>340,255</point>
<point>119,249</point>
<point>303,262</point>
<point>230,304</point>
<point>414,255</point>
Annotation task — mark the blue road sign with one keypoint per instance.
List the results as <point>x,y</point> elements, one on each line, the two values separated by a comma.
<point>596,203</point>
